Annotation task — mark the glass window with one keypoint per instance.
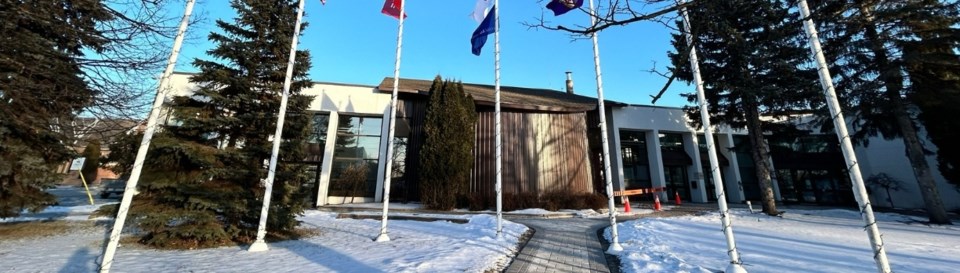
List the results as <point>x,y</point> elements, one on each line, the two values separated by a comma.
<point>357,144</point>
<point>317,139</point>
<point>370,126</point>
<point>633,136</point>
<point>633,149</point>
<point>672,142</point>
<point>318,129</point>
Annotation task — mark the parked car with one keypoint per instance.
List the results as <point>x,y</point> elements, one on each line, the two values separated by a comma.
<point>112,186</point>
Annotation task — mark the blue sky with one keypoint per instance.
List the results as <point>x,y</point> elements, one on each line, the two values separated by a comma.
<point>352,42</point>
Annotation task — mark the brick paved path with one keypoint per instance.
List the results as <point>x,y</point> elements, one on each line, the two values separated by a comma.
<point>562,245</point>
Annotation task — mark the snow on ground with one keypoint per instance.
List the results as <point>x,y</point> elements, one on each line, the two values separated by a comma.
<point>344,245</point>
<point>801,241</point>
<point>68,213</point>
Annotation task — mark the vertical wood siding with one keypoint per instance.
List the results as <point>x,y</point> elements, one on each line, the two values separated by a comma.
<point>416,111</point>
<point>541,152</point>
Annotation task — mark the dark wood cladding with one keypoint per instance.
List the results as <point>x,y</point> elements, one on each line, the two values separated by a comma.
<point>542,151</point>
<point>596,150</point>
<point>414,110</point>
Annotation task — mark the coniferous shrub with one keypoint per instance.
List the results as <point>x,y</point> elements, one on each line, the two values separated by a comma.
<point>92,161</point>
<point>446,158</point>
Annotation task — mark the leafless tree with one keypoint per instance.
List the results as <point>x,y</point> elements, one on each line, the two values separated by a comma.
<point>124,73</point>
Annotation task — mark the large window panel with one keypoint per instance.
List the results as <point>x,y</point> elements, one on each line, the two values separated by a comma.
<point>357,144</point>
<point>317,139</point>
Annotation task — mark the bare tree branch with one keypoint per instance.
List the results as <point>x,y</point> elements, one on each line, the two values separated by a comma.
<point>123,73</point>
<point>608,17</point>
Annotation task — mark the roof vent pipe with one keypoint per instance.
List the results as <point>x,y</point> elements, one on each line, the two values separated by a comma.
<point>569,82</point>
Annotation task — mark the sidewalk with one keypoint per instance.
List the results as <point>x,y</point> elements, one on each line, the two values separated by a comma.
<point>562,245</point>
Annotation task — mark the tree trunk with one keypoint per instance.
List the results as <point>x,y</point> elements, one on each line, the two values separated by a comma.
<point>890,198</point>
<point>760,155</point>
<point>892,78</point>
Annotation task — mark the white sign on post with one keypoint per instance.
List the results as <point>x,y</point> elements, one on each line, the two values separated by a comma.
<point>77,164</point>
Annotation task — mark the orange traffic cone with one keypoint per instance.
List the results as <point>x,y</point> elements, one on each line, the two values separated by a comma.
<point>656,202</point>
<point>626,204</point>
<point>676,196</point>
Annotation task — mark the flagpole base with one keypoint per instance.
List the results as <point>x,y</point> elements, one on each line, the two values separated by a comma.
<point>383,237</point>
<point>614,249</point>
<point>735,268</point>
<point>258,246</point>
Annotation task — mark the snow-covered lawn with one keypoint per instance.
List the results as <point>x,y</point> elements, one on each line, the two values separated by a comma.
<point>801,241</point>
<point>343,245</point>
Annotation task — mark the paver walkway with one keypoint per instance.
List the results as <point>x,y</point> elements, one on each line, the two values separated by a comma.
<point>562,245</point>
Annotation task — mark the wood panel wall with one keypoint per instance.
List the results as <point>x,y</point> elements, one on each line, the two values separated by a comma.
<point>541,152</point>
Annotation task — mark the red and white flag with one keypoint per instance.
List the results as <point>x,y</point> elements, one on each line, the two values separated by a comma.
<point>392,8</point>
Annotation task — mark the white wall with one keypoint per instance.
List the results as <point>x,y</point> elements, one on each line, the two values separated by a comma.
<point>889,156</point>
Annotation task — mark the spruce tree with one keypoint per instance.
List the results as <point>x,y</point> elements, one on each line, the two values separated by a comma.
<point>204,184</point>
<point>870,43</point>
<point>932,64</point>
<point>446,158</point>
<point>41,86</point>
<point>753,64</point>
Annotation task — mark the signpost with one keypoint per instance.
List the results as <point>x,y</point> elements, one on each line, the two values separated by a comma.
<point>77,165</point>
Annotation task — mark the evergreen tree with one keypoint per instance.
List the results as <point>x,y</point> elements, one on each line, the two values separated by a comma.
<point>865,40</point>
<point>753,64</point>
<point>41,86</point>
<point>204,184</point>
<point>932,64</point>
<point>92,161</point>
<point>446,158</point>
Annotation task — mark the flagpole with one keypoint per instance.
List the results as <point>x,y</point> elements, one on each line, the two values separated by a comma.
<point>260,244</point>
<point>840,125</point>
<point>615,245</point>
<point>131,187</point>
<point>736,265</point>
<point>383,237</point>
<point>496,95</point>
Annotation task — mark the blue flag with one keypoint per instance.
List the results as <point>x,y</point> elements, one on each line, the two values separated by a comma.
<point>559,7</point>
<point>485,28</point>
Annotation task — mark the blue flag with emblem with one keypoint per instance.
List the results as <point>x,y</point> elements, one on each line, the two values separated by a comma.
<point>485,28</point>
<point>559,7</point>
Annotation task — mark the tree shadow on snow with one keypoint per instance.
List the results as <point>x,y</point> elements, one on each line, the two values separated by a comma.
<point>81,261</point>
<point>329,258</point>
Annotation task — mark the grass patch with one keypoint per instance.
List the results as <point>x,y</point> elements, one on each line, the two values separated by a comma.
<point>297,234</point>
<point>21,230</point>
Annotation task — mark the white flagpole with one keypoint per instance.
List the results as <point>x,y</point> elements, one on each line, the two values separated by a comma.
<point>383,237</point>
<point>615,245</point>
<point>496,95</point>
<point>131,187</point>
<point>859,191</point>
<point>260,244</point>
<point>736,265</point>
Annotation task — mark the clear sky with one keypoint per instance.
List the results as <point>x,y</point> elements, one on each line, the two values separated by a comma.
<point>352,42</point>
